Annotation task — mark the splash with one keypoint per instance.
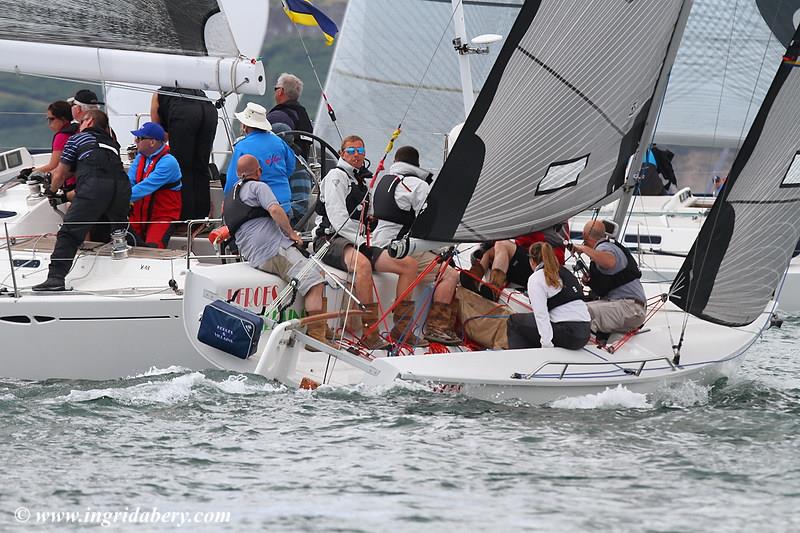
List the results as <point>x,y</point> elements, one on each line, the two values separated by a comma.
<point>169,392</point>
<point>160,372</point>
<point>608,399</point>
<point>686,394</point>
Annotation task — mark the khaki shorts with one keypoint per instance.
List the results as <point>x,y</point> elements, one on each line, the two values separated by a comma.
<point>288,263</point>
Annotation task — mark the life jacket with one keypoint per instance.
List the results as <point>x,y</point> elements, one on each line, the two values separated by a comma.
<point>355,199</point>
<point>102,161</point>
<point>601,284</point>
<point>570,290</point>
<point>235,212</point>
<point>143,208</point>
<point>301,122</point>
<point>384,205</point>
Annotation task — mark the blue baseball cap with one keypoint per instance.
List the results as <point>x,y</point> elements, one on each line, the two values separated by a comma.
<point>150,130</point>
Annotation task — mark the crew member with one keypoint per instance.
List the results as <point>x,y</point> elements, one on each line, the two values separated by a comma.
<point>560,316</point>
<point>288,109</point>
<point>275,157</point>
<point>102,194</point>
<point>339,208</point>
<point>155,177</point>
<point>614,279</point>
<point>266,238</point>
<point>398,198</point>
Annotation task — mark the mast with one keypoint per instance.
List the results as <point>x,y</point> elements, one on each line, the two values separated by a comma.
<point>650,124</point>
<point>460,44</point>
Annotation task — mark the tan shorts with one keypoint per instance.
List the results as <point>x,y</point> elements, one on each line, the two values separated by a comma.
<point>288,263</point>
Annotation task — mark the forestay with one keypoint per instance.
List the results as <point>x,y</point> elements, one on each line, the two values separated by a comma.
<point>745,245</point>
<point>557,121</point>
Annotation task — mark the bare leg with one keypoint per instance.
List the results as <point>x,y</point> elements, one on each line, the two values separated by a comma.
<point>313,299</point>
<point>503,252</point>
<point>446,288</point>
<point>406,270</point>
<point>358,263</point>
<point>487,259</point>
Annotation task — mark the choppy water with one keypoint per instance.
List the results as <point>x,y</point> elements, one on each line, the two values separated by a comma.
<point>404,459</point>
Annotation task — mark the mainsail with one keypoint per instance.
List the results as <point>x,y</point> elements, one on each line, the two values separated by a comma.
<point>379,68</point>
<point>159,42</point>
<point>727,60</point>
<point>557,121</point>
<point>746,243</point>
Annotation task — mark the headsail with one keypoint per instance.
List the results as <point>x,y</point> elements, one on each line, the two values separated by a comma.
<point>557,121</point>
<point>378,68</point>
<point>746,243</point>
<point>188,42</point>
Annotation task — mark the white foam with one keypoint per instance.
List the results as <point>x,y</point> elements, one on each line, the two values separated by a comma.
<point>239,384</point>
<point>7,397</point>
<point>686,394</point>
<point>615,398</point>
<point>376,390</point>
<point>172,391</point>
<point>153,371</point>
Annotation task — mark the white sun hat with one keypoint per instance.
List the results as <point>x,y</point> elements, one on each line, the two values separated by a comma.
<point>255,116</point>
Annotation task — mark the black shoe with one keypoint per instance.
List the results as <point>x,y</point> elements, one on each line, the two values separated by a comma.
<point>468,282</point>
<point>602,338</point>
<point>50,285</point>
<point>488,293</point>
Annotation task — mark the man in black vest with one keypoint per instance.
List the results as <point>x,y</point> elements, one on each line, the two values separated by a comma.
<point>614,279</point>
<point>102,194</point>
<point>288,110</point>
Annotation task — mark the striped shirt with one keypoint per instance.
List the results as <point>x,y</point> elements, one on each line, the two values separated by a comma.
<point>73,147</point>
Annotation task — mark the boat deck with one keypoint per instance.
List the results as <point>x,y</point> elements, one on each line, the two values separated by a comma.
<point>47,243</point>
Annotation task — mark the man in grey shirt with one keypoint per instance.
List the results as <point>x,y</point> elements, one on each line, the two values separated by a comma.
<point>614,277</point>
<point>265,237</point>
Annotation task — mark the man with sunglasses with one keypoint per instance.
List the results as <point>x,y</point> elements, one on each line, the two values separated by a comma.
<point>287,109</point>
<point>102,194</point>
<point>342,220</point>
<point>155,177</point>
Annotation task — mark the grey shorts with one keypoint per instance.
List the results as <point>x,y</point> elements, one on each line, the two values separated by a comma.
<point>335,254</point>
<point>288,263</point>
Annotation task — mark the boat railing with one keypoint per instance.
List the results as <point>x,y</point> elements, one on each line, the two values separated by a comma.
<point>642,363</point>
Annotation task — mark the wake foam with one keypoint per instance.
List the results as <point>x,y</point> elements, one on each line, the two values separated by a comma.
<point>615,398</point>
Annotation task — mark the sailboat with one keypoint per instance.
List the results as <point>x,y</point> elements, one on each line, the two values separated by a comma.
<point>590,112</point>
<point>124,312</point>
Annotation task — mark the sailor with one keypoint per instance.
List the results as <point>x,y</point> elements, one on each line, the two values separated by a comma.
<point>614,279</point>
<point>155,177</point>
<point>102,194</point>
<point>275,156</point>
<point>398,198</point>
<point>266,238</point>
<point>560,316</point>
<point>288,109</point>
<point>507,260</point>
<point>190,121</point>
<point>340,220</point>
<point>83,102</point>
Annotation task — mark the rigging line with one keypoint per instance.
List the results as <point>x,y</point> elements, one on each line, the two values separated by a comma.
<point>755,85</point>
<point>331,114</point>
<point>725,75</point>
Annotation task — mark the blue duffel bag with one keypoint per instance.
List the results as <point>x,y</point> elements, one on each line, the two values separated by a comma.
<point>230,328</point>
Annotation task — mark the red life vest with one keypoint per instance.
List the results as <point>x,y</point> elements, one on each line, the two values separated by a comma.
<point>143,208</point>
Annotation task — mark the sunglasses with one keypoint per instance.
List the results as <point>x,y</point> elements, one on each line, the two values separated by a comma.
<point>351,150</point>
<point>276,88</point>
<point>138,139</point>
<point>51,119</point>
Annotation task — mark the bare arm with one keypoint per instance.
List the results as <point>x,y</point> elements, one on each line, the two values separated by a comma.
<point>279,216</point>
<point>154,109</point>
<point>52,164</point>
<point>59,174</point>
<point>604,260</point>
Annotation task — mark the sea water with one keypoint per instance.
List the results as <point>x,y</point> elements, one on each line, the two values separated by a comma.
<point>178,449</point>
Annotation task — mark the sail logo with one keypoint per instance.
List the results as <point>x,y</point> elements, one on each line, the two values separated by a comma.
<point>273,159</point>
<point>254,296</point>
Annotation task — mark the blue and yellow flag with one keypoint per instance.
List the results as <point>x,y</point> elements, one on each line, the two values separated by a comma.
<point>302,12</point>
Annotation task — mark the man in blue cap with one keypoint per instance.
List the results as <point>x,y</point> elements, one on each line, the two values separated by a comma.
<point>155,177</point>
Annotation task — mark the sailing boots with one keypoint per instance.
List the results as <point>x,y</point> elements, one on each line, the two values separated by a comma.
<point>373,341</point>
<point>441,324</point>
<point>497,279</point>
<point>402,316</point>
<point>317,330</point>
<point>51,284</point>
<point>472,282</point>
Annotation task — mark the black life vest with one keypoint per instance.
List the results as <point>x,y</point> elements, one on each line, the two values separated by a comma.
<point>70,129</point>
<point>601,284</point>
<point>384,205</point>
<point>571,290</point>
<point>102,161</point>
<point>236,212</point>
<point>354,201</point>
<point>301,120</point>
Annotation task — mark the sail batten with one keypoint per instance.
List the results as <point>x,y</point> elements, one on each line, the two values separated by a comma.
<point>574,82</point>
<point>743,249</point>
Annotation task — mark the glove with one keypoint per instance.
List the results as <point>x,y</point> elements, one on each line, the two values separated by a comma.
<point>56,198</point>
<point>24,173</point>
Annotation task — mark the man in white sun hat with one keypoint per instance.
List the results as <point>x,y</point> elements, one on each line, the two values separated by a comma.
<point>274,156</point>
